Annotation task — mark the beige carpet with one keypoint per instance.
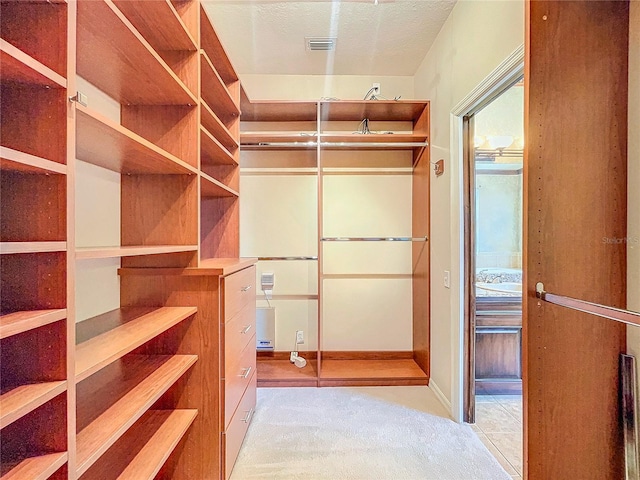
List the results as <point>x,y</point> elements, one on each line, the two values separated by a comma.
<point>364,433</point>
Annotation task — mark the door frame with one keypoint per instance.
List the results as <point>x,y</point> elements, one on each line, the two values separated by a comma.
<point>503,75</point>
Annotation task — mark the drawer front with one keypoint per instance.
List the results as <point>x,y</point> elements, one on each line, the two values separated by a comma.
<point>498,353</point>
<point>234,435</point>
<point>238,374</point>
<point>239,290</point>
<point>238,332</point>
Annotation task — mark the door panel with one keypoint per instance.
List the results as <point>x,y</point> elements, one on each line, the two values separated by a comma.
<point>575,205</point>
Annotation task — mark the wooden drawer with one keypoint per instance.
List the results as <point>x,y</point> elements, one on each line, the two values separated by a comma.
<point>234,435</point>
<point>238,374</point>
<point>239,290</point>
<point>238,332</point>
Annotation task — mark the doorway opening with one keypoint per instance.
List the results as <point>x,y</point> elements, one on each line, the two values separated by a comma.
<point>493,147</point>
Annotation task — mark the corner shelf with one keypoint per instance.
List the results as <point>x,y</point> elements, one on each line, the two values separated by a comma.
<point>215,92</point>
<point>216,127</point>
<point>19,322</point>
<point>136,382</point>
<point>213,152</point>
<point>110,336</point>
<point>110,53</point>
<point>21,400</point>
<point>147,17</point>
<point>85,253</point>
<point>16,161</point>
<point>144,448</point>
<point>210,187</point>
<point>19,67</point>
<point>120,149</point>
<point>11,248</point>
<point>39,467</point>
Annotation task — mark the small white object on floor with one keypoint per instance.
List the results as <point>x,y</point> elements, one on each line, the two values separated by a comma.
<point>299,362</point>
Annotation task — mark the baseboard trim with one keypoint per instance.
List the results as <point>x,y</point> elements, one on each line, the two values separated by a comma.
<point>443,399</point>
<point>367,355</point>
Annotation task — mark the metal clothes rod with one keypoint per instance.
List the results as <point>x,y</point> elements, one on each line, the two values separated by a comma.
<point>264,259</point>
<point>375,239</point>
<point>617,314</point>
<point>399,145</point>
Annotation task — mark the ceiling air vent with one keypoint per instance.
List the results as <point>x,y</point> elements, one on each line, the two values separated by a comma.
<point>325,44</point>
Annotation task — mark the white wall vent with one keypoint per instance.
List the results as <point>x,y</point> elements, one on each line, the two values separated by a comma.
<point>326,44</point>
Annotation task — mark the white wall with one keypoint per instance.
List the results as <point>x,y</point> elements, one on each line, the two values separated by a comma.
<point>633,202</point>
<point>476,38</point>
<point>97,219</point>
<point>314,87</point>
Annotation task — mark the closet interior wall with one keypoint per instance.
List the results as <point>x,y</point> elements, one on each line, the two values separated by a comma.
<point>329,211</point>
<point>119,154</point>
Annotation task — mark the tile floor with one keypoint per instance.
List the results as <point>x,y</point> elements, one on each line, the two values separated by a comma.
<point>499,426</point>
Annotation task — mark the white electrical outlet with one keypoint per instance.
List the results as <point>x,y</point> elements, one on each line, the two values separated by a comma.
<point>376,88</point>
<point>447,279</point>
<point>299,337</point>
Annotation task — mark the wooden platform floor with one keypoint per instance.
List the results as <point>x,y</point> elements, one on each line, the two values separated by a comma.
<point>273,373</point>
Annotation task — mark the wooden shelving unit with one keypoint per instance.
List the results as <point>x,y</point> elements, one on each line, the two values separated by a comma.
<point>111,396</point>
<point>38,467</point>
<point>142,450</point>
<point>117,50</point>
<point>112,401</point>
<point>318,138</point>
<point>107,144</point>
<point>34,392</point>
<point>105,338</point>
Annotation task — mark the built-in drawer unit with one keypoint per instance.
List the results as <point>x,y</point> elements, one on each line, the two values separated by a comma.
<point>239,290</point>
<point>238,373</point>
<point>237,429</point>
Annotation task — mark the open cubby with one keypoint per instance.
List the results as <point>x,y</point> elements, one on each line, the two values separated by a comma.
<point>33,281</point>
<point>35,443</point>
<point>219,228</point>
<point>173,129</point>
<point>37,123</point>
<point>33,207</point>
<point>159,210</point>
<point>21,19</point>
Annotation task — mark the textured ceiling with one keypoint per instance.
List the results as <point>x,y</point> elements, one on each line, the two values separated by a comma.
<point>268,37</point>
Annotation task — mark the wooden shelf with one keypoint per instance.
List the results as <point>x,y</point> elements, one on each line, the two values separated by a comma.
<point>282,373</point>
<point>397,139</point>
<point>213,152</point>
<point>384,110</point>
<point>105,338</point>
<point>19,401</point>
<point>214,49</point>
<point>278,141</point>
<point>110,403</point>
<point>19,67</point>
<point>107,144</point>
<point>159,23</point>
<point>16,161</point>
<point>371,373</point>
<point>83,253</point>
<point>19,322</point>
<point>280,111</point>
<point>110,55</point>
<point>210,187</point>
<point>11,248</point>
<point>215,92</point>
<point>213,124</point>
<point>39,467</point>
<point>210,266</point>
<point>141,452</point>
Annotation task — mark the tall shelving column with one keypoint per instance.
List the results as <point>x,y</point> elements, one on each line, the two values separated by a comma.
<point>367,151</point>
<point>219,147</point>
<point>35,394</point>
<point>137,136</point>
<point>279,163</point>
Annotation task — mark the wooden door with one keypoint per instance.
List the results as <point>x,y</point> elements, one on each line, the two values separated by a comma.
<point>575,205</point>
